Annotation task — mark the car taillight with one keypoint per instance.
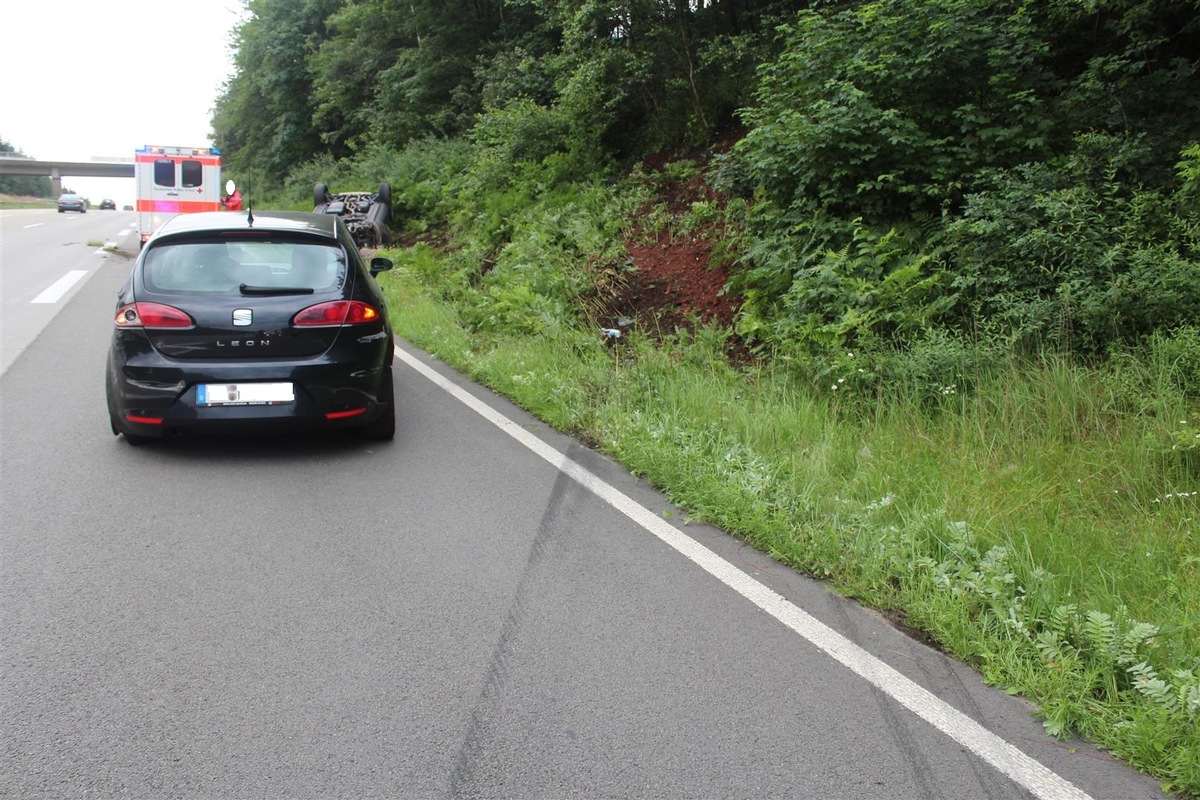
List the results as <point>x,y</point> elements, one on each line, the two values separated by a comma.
<point>151,315</point>
<point>337,312</point>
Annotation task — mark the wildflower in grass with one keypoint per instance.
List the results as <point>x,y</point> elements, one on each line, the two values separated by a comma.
<point>882,502</point>
<point>1180,495</point>
<point>1185,437</point>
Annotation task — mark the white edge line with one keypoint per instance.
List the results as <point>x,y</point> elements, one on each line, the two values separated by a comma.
<point>60,287</point>
<point>1005,757</point>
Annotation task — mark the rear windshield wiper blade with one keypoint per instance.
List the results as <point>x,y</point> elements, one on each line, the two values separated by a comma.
<point>263,291</point>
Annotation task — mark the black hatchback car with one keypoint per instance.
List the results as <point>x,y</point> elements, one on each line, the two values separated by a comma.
<point>243,323</point>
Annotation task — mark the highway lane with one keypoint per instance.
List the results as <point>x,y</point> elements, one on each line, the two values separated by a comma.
<point>447,615</point>
<point>44,257</point>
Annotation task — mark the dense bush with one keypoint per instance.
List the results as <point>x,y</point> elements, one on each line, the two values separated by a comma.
<point>885,109</point>
<point>1076,252</point>
<point>997,137</point>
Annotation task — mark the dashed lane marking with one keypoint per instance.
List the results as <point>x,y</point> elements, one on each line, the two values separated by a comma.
<point>60,287</point>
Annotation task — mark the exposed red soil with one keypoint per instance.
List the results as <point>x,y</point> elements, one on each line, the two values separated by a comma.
<point>670,281</point>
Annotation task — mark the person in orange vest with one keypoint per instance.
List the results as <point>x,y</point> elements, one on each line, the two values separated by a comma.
<point>232,202</point>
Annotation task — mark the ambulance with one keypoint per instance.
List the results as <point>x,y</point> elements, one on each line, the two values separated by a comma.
<point>175,180</point>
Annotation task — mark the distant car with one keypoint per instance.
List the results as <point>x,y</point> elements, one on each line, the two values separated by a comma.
<point>366,214</point>
<point>107,204</point>
<point>71,202</point>
<point>127,208</point>
<point>229,324</point>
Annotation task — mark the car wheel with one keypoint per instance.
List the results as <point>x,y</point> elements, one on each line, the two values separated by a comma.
<point>385,194</point>
<point>383,428</point>
<point>108,400</point>
<point>320,194</point>
<point>375,240</point>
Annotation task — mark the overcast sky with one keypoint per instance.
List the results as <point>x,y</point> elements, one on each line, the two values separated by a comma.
<point>100,79</point>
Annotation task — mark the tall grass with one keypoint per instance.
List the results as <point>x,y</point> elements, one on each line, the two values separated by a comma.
<point>1042,525</point>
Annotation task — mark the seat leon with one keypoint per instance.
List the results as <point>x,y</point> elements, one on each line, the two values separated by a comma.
<point>247,323</point>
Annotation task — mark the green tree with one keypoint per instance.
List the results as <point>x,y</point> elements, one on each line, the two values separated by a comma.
<point>1133,68</point>
<point>23,185</point>
<point>328,77</point>
<point>392,72</point>
<point>264,120</point>
<point>364,40</point>
<point>641,75</point>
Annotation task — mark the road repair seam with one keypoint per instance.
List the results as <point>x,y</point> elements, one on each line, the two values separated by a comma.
<point>1005,757</point>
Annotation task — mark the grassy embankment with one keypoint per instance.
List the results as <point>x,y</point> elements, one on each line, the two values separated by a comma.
<point>1039,521</point>
<point>11,201</point>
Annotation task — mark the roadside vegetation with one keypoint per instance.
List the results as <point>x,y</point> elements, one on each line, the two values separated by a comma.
<point>1033,515</point>
<point>962,241</point>
<point>13,201</point>
<point>22,191</point>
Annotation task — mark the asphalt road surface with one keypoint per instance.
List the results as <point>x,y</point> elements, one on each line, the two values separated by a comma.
<point>481,608</point>
<point>44,256</point>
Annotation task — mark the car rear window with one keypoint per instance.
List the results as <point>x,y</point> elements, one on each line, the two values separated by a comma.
<point>225,267</point>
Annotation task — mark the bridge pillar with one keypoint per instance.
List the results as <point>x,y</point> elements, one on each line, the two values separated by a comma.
<point>55,182</point>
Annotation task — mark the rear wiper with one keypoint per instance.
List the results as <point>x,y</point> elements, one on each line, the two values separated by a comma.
<point>263,291</point>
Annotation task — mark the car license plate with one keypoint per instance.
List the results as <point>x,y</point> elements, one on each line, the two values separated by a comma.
<point>244,394</point>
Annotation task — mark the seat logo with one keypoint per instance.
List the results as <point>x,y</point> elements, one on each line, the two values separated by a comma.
<point>243,317</point>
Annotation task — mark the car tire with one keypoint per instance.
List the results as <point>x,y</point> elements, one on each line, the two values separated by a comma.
<point>385,194</point>
<point>383,427</point>
<point>375,240</point>
<point>108,401</point>
<point>320,194</point>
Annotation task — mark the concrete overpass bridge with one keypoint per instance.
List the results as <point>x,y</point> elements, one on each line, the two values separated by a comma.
<point>56,170</point>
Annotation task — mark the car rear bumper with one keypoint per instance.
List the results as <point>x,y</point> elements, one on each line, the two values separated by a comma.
<point>152,396</point>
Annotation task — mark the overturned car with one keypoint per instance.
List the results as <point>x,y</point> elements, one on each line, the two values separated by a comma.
<point>366,214</point>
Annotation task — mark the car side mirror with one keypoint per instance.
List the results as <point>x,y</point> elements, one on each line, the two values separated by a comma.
<point>380,264</point>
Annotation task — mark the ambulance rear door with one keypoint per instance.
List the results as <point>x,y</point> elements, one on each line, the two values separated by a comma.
<point>172,180</point>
